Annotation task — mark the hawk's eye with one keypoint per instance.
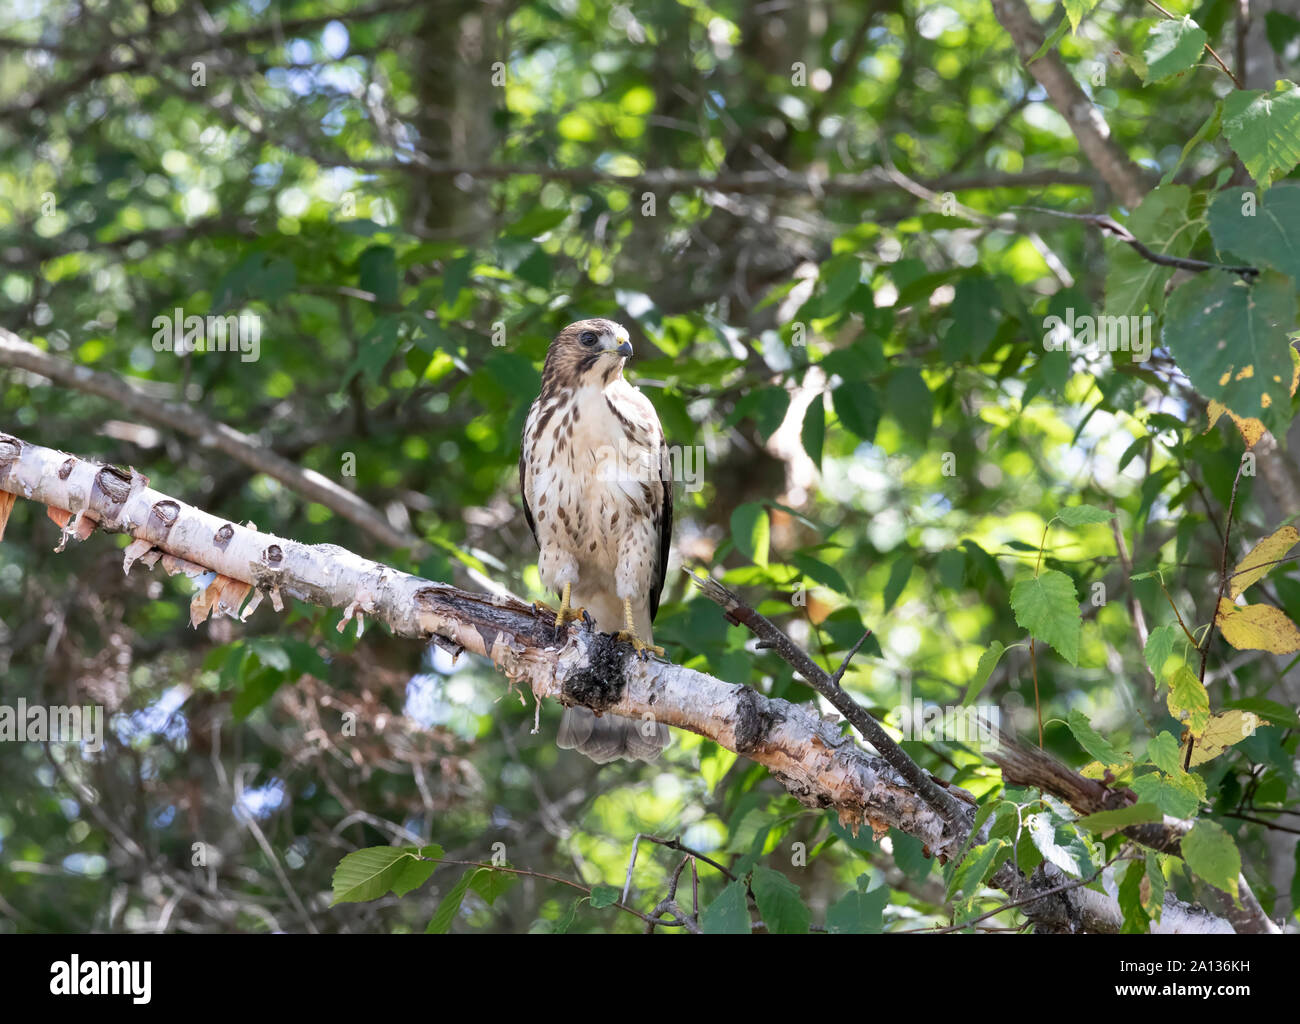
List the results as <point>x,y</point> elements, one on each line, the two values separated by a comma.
<point>588,338</point>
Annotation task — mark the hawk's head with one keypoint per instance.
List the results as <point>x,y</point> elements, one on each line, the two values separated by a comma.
<point>586,352</point>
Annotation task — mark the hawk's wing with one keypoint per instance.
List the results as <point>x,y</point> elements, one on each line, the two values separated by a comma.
<point>665,526</point>
<point>646,410</point>
<point>524,445</point>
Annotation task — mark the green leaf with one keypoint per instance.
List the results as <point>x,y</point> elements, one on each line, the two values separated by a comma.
<point>858,913</point>
<point>1092,741</point>
<point>1133,814</point>
<point>1173,46</point>
<point>1059,843</point>
<point>910,402</point>
<point>492,884</point>
<point>861,359</point>
<point>1136,921</point>
<point>769,409</point>
<point>1049,609</point>
<point>1076,10</point>
<point>368,874</point>
<point>449,905</point>
<point>728,914</point>
<point>839,279</point>
<point>1211,855</point>
<point>751,531</point>
<point>603,896</point>
<point>1164,754</point>
<point>974,868</point>
<point>1281,29</point>
<point>513,372</point>
<point>779,902</point>
<point>1174,795</point>
<point>1264,130</point>
<point>820,572</point>
<point>414,873</point>
<point>1230,340</point>
<point>375,350</point>
<point>1156,898</point>
<point>565,921</point>
<point>749,832</point>
<point>1056,36</point>
<point>951,565</point>
<point>535,268</point>
<point>377,273</point>
<point>256,688</point>
<point>909,855</point>
<point>1263,230</point>
<point>270,653</point>
<point>1082,515</point>
<point>984,566</point>
<point>1160,648</point>
<point>899,573</point>
<point>537,221</point>
<point>856,405</point>
<point>1208,132</point>
<point>1295,879</point>
<point>974,317</point>
<point>987,663</point>
<point>813,433</point>
<point>456,276</point>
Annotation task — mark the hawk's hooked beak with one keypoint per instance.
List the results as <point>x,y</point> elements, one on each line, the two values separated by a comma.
<point>619,343</point>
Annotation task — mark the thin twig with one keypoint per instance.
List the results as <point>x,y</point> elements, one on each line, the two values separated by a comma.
<point>1214,614</point>
<point>1065,887</point>
<point>839,672</point>
<point>1110,226</point>
<point>953,811</point>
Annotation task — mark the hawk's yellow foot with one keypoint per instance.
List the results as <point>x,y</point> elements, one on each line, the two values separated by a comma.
<point>565,613</point>
<point>629,635</point>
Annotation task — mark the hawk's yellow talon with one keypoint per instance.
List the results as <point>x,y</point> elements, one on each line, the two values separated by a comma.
<point>640,646</point>
<point>565,613</point>
<point>630,636</point>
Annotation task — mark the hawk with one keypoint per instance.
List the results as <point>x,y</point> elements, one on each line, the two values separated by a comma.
<point>599,500</point>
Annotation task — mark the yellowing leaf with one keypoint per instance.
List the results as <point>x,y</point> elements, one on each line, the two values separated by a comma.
<point>1222,732</point>
<point>1188,702</point>
<point>1252,429</point>
<point>1263,556</point>
<point>1257,627</point>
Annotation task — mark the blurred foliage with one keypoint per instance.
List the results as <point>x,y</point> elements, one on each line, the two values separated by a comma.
<point>886,436</point>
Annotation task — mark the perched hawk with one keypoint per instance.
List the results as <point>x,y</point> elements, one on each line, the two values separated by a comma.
<point>599,500</point>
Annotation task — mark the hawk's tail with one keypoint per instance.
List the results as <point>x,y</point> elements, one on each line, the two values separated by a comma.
<point>609,737</point>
